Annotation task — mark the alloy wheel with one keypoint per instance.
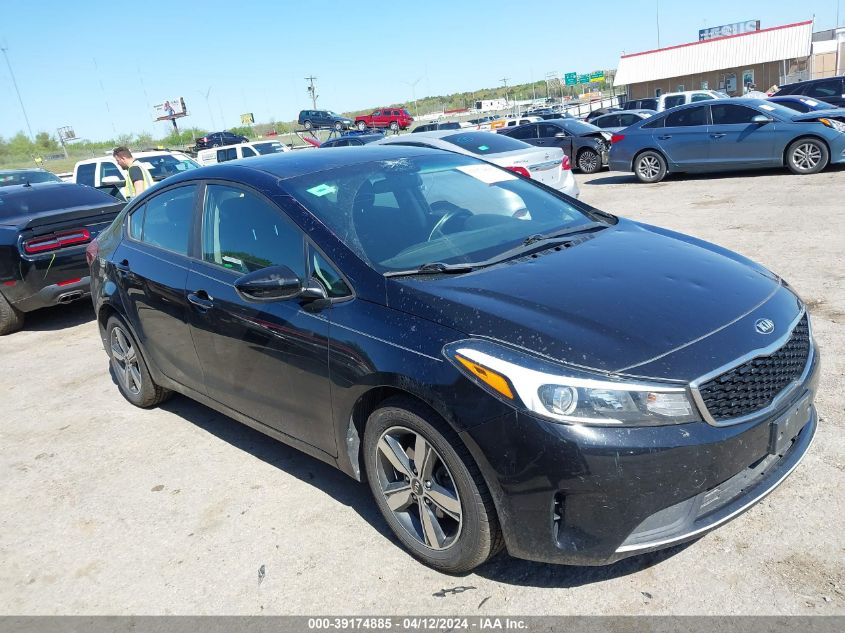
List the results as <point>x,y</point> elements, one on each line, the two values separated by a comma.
<point>588,161</point>
<point>418,488</point>
<point>807,156</point>
<point>649,167</point>
<point>125,361</point>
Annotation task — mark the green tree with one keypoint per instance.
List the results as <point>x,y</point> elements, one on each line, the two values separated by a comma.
<point>45,142</point>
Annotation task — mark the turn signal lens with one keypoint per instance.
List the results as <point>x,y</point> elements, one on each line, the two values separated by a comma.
<point>487,376</point>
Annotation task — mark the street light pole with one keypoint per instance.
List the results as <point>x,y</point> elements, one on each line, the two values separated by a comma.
<point>15,84</point>
<point>208,105</point>
<point>312,91</point>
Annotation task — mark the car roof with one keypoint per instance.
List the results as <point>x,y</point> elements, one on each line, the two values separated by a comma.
<point>293,164</point>
<point>20,170</point>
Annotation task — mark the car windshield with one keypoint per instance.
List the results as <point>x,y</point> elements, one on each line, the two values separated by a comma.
<point>401,214</point>
<point>19,177</point>
<point>775,108</point>
<point>483,143</point>
<point>573,126</point>
<point>271,147</point>
<point>167,165</point>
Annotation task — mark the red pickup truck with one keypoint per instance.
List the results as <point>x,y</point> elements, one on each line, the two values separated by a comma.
<point>393,118</point>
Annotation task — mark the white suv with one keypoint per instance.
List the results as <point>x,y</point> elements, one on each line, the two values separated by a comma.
<point>105,174</point>
<point>241,150</point>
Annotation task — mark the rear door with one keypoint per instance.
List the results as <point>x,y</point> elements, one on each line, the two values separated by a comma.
<point>684,138</point>
<point>266,360</point>
<point>152,266</point>
<point>736,141</point>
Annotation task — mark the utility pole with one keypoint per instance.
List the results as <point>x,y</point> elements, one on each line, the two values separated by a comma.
<point>657,4</point>
<point>312,91</point>
<point>15,84</point>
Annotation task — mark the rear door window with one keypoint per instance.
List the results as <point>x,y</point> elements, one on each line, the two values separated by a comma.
<point>825,89</point>
<point>671,102</point>
<point>85,174</point>
<point>165,220</point>
<point>247,152</point>
<point>688,117</point>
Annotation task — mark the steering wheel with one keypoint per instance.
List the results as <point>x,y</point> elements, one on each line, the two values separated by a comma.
<point>453,213</point>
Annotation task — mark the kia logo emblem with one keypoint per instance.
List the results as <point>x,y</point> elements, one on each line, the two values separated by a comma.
<point>764,326</point>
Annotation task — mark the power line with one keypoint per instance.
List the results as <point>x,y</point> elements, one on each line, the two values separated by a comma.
<point>15,84</point>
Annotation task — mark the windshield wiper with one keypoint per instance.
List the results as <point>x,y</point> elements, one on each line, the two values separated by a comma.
<point>432,268</point>
<point>541,240</point>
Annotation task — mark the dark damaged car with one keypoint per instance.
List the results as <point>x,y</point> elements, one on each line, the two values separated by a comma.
<point>587,144</point>
<point>44,230</point>
<point>504,365</point>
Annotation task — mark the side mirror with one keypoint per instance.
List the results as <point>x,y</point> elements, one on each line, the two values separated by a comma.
<point>269,284</point>
<point>761,119</point>
<point>113,181</point>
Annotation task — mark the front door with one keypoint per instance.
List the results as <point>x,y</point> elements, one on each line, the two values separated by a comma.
<point>266,360</point>
<point>152,268</point>
<point>737,141</point>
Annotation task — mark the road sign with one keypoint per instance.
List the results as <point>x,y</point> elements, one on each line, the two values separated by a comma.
<point>570,79</point>
<point>583,79</point>
<point>597,76</point>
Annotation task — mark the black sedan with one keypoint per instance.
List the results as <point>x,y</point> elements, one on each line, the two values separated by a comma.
<point>353,139</point>
<point>587,143</point>
<point>44,230</point>
<point>505,366</point>
<point>219,139</point>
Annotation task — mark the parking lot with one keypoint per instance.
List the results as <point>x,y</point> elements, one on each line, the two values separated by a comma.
<point>106,508</point>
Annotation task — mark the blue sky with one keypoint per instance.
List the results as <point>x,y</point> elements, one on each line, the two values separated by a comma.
<point>89,64</point>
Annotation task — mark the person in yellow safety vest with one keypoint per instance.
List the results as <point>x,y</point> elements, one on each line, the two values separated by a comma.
<point>138,177</point>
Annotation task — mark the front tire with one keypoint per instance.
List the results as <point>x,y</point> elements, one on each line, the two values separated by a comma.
<point>589,161</point>
<point>338,126</point>
<point>308,125</point>
<point>807,156</point>
<point>130,368</point>
<point>650,167</point>
<point>11,319</point>
<point>428,488</point>
<point>394,127</point>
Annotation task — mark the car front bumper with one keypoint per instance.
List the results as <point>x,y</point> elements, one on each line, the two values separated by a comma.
<point>590,495</point>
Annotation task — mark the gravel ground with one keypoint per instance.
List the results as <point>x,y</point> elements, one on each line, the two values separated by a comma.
<point>107,509</point>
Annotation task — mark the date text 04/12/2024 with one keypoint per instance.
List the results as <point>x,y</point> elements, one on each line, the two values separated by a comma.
<point>416,624</point>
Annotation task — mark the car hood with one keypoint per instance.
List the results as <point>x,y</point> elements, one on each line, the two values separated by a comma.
<point>625,296</point>
<point>833,113</point>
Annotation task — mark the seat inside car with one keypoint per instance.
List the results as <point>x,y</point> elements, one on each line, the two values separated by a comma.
<point>388,216</point>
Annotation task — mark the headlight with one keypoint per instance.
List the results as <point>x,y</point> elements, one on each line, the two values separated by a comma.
<point>836,125</point>
<point>568,394</point>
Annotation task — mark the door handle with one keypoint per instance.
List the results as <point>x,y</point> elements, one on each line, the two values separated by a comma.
<point>201,300</point>
<point>717,135</point>
<point>665,137</point>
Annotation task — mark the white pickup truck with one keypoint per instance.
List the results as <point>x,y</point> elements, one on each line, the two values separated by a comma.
<point>105,174</point>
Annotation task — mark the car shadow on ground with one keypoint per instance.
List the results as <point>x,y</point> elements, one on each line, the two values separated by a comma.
<point>512,571</point>
<point>60,317</point>
<point>308,469</point>
<point>502,568</point>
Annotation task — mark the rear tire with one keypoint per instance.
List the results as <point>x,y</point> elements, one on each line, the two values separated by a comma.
<point>11,319</point>
<point>589,161</point>
<point>650,166</point>
<point>361,126</point>
<point>130,369</point>
<point>807,156</point>
<point>441,511</point>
